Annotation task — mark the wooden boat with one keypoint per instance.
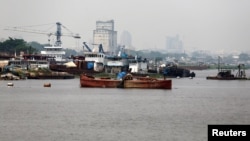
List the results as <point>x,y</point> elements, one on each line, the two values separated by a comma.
<point>127,82</point>
<point>90,81</point>
<point>149,83</point>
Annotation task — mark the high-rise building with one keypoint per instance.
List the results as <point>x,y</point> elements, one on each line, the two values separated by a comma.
<point>174,44</point>
<point>126,39</point>
<point>106,35</point>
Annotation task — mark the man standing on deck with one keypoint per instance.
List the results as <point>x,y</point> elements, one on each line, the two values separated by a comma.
<point>165,72</point>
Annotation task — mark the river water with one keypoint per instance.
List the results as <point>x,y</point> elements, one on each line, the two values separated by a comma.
<point>66,112</point>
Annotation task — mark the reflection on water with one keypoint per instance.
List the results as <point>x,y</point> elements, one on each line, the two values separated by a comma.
<point>66,112</point>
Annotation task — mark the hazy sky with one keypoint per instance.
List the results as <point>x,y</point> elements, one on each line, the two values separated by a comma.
<point>201,24</point>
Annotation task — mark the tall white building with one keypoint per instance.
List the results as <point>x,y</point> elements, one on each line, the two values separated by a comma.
<point>105,35</point>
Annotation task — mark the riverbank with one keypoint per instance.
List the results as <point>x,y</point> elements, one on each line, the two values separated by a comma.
<point>38,73</point>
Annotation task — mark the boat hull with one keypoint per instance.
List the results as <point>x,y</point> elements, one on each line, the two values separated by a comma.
<point>225,78</point>
<point>148,84</point>
<point>89,81</point>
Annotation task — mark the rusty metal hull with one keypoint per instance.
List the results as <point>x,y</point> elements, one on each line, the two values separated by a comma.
<point>147,83</point>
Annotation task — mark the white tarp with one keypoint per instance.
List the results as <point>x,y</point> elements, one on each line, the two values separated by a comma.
<point>70,64</point>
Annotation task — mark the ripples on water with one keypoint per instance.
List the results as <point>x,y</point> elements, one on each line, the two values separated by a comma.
<point>66,112</point>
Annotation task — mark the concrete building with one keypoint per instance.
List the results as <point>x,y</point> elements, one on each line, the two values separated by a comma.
<point>106,35</point>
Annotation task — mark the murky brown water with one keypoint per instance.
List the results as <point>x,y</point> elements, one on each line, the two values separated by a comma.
<point>66,112</point>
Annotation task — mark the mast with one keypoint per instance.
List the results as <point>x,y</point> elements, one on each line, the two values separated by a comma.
<point>218,63</point>
<point>58,34</point>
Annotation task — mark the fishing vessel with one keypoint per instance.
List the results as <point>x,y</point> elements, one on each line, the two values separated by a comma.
<point>226,74</point>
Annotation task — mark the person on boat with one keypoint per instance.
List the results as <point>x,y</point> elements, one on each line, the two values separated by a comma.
<point>165,72</point>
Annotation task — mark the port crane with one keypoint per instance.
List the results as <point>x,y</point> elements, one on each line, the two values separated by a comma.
<point>58,32</point>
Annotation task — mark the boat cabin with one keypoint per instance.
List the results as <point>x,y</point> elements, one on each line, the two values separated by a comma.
<point>225,74</point>
<point>55,52</point>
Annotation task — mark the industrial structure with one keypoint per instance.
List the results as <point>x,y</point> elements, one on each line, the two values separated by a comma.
<point>53,50</point>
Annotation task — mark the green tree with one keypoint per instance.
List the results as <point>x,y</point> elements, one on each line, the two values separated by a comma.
<point>37,46</point>
<point>12,46</point>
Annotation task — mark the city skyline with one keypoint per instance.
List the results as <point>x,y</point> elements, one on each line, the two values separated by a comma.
<point>214,25</point>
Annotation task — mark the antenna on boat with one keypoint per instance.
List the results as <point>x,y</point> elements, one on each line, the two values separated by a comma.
<point>219,64</point>
<point>58,34</point>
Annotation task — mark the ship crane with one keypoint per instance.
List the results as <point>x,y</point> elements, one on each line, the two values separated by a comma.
<point>84,43</point>
<point>90,50</point>
<point>58,32</point>
<point>100,48</point>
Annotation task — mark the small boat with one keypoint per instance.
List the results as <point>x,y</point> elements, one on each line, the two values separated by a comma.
<point>226,74</point>
<point>10,84</point>
<point>47,85</point>
<point>173,71</point>
<point>127,82</point>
